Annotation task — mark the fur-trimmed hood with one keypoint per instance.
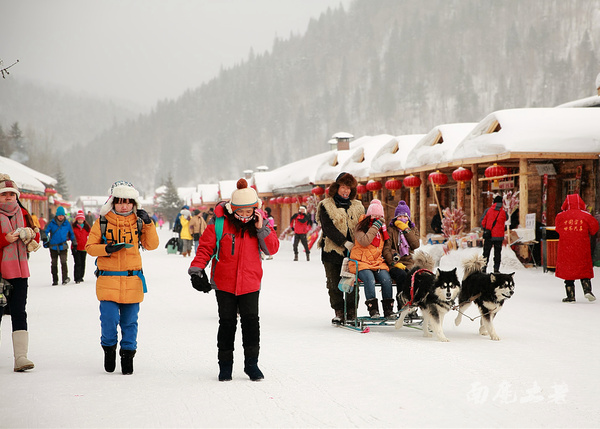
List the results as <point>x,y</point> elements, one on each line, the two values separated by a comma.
<point>345,179</point>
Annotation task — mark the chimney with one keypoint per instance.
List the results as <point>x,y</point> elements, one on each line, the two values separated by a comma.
<point>342,139</point>
<point>598,83</point>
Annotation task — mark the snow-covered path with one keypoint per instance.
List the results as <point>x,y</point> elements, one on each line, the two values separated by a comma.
<point>541,374</point>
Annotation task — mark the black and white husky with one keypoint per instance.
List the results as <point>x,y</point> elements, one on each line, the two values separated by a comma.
<point>434,294</point>
<point>488,291</point>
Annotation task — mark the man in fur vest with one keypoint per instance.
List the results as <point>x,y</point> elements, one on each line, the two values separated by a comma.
<point>338,215</point>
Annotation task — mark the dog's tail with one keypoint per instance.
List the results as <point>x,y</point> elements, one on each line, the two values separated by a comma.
<point>473,264</point>
<point>423,260</point>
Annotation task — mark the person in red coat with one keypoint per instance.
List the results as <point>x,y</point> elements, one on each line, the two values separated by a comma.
<point>236,274</point>
<point>301,223</point>
<point>574,256</point>
<point>494,219</point>
<point>14,267</point>
<point>81,229</point>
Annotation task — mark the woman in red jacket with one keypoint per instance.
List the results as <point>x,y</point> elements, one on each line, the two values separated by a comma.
<point>14,267</point>
<point>81,229</point>
<point>236,274</point>
<point>574,256</point>
<point>494,218</point>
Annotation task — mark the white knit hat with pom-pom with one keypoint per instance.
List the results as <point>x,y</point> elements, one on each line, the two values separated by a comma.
<point>121,189</point>
<point>243,197</point>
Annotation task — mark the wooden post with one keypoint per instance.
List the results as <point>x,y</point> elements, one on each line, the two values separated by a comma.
<point>423,205</point>
<point>474,198</point>
<point>523,191</point>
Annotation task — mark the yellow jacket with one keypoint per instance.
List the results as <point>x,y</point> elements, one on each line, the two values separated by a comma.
<point>120,229</point>
<point>185,229</point>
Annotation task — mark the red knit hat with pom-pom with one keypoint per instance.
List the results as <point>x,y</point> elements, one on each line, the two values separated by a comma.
<point>243,197</point>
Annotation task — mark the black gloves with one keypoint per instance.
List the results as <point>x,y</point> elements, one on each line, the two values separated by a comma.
<point>111,248</point>
<point>144,216</point>
<point>200,281</point>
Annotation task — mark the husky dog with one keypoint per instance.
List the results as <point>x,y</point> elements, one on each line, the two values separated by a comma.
<point>434,294</point>
<point>488,291</point>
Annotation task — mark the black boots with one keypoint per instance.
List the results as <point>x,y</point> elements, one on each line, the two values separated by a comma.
<point>373,307</point>
<point>388,307</point>
<point>252,370</point>
<point>127,361</point>
<point>225,370</point>
<point>587,289</point>
<point>110,358</point>
<point>295,257</point>
<point>570,288</point>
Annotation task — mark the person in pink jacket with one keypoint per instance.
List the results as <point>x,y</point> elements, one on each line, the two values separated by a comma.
<point>574,255</point>
<point>236,274</point>
<point>81,229</point>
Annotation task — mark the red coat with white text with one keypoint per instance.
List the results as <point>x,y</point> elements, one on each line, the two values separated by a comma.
<point>575,226</point>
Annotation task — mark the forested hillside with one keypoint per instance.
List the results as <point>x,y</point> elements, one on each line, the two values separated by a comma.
<point>382,66</point>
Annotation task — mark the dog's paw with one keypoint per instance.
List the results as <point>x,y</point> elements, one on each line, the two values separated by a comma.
<point>426,333</point>
<point>443,339</point>
<point>483,331</point>
<point>495,337</point>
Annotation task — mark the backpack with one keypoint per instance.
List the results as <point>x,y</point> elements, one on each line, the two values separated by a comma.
<point>104,222</point>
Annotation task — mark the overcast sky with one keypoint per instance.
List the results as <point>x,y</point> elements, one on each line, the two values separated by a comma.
<point>142,50</point>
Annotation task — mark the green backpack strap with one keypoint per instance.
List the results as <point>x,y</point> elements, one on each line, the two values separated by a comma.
<point>219,232</point>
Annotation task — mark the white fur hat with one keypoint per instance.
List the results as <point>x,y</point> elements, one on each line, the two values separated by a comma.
<point>7,185</point>
<point>243,197</point>
<point>120,189</point>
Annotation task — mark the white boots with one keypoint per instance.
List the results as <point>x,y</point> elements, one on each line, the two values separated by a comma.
<point>20,347</point>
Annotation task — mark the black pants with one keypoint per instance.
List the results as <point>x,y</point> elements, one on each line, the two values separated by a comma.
<point>400,277</point>
<point>16,302</point>
<point>54,255</point>
<point>487,248</point>
<point>79,267</point>
<point>336,296</point>
<point>300,238</point>
<point>229,307</point>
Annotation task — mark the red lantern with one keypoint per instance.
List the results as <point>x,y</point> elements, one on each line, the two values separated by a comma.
<point>373,185</point>
<point>412,182</point>
<point>393,185</point>
<point>462,175</point>
<point>287,200</point>
<point>438,179</point>
<point>496,170</point>
<point>361,189</point>
<point>305,199</point>
<point>280,200</point>
<point>273,201</point>
<point>317,190</point>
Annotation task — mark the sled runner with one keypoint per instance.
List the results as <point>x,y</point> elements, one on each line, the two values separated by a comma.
<point>362,324</point>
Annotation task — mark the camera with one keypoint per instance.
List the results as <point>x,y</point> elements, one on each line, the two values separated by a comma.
<point>396,257</point>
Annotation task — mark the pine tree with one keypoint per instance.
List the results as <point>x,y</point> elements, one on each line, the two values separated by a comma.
<point>61,183</point>
<point>4,144</point>
<point>169,202</point>
<point>16,143</point>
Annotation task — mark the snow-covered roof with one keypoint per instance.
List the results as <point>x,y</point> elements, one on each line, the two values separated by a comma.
<point>226,187</point>
<point>392,155</point>
<point>342,135</point>
<point>27,179</point>
<point>438,144</point>
<point>533,130</point>
<point>593,101</point>
<point>359,162</point>
<point>189,195</point>
<point>297,173</point>
<point>330,168</point>
<point>209,192</point>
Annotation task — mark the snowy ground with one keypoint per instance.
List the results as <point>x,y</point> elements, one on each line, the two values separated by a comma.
<point>541,374</point>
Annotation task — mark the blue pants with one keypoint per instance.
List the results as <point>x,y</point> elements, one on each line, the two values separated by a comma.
<point>125,315</point>
<point>368,278</point>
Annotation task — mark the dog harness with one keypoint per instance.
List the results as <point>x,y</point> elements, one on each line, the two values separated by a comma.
<point>412,284</point>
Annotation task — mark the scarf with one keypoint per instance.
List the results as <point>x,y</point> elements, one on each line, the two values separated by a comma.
<point>14,256</point>
<point>382,233</point>
<point>403,247</point>
<point>341,202</point>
